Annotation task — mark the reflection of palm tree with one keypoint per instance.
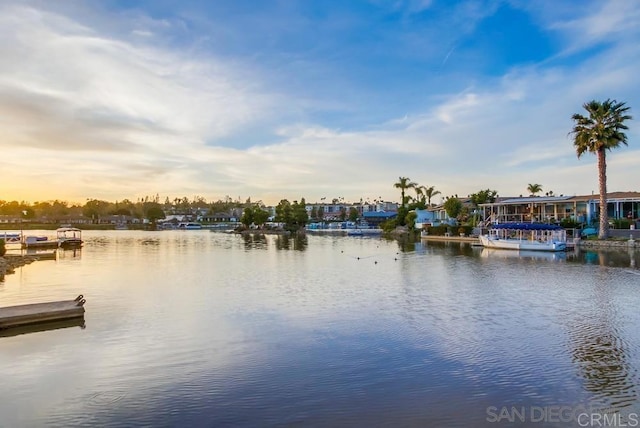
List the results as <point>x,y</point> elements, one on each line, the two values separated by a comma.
<point>600,354</point>
<point>602,130</point>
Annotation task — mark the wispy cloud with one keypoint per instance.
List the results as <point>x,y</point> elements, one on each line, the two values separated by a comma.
<point>143,105</point>
<point>72,79</point>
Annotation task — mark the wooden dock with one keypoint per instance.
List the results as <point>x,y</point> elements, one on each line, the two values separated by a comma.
<point>16,316</point>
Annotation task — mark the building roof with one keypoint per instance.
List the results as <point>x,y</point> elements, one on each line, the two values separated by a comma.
<point>532,199</point>
<point>380,214</point>
<point>611,196</point>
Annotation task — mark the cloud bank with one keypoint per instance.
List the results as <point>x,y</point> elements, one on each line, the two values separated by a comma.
<point>100,103</point>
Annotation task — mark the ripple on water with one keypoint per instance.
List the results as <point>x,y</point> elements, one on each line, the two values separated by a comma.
<point>213,329</point>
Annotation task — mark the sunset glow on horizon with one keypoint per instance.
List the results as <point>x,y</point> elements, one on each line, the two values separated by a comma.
<point>271,100</point>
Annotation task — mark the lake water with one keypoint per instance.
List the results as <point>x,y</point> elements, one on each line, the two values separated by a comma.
<point>195,328</point>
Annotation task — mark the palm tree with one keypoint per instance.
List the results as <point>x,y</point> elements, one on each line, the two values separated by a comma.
<point>534,188</point>
<point>430,192</point>
<point>403,184</point>
<point>602,130</point>
<point>420,197</point>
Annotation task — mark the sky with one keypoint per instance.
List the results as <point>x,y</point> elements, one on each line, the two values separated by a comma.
<point>278,99</point>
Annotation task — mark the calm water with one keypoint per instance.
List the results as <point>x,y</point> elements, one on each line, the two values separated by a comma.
<point>208,329</point>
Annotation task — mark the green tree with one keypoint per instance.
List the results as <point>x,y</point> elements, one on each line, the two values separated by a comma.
<point>534,188</point>
<point>483,197</point>
<point>453,207</point>
<point>410,220</point>
<point>402,215</point>
<point>420,197</point>
<point>260,216</point>
<point>284,212</point>
<point>300,215</point>
<point>353,214</point>
<point>247,216</point>
<point>94,209</point>
<point>403,184</point>
<point>153,212</point>
<point>430,192</point>
<point>602,130</point>
<point>343,214</point>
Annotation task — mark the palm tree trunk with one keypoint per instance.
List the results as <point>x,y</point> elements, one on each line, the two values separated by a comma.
<point>602,176</point>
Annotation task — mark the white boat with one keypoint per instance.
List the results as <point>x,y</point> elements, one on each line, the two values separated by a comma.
<point>189,226</point>
<point>526,236</point>
<point>69,237</point>
<point>354,232</point>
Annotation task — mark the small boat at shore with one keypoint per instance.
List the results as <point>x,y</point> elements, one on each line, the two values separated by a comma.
<point>69,237</point>
<point>189,226</point>
<point>525,236</point>
<point>39,242</point>
<point>354,232</point>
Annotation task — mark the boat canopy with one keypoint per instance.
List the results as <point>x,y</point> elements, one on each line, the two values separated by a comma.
<point>526,226</point>
<point>68,229</point>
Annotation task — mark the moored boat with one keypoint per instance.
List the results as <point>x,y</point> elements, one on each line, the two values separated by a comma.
<point>189,226</point>
<point>69,237</point>
<point>526,236</point>
<point>39,242</point>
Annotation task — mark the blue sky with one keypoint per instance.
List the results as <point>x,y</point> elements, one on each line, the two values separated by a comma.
<point>290,99</point>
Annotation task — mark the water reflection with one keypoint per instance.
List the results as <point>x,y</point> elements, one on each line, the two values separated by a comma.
<point>43,326</point>
<point>215,329</point>
<point>600,352</point>
<point>455,248</point>
<point>407,244</point>
<point>548,256</point>
<point>255,241</point>
<point>612,258</point>
<point>298,242</point>
<point>71,253</point>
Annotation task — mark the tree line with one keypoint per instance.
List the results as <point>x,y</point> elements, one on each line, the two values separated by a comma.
<point>149,207</point>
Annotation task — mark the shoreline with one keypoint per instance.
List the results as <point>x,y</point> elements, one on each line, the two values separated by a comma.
<point>10,262</point>
<point>610,244</point>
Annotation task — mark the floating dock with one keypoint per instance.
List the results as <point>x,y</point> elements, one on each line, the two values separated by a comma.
<point>17,316</point>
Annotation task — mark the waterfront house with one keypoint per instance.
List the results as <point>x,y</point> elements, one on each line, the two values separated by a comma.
<point>10,219</point>
<point>218,217</point>
<point>425,218</point>
<point>551,209</point>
